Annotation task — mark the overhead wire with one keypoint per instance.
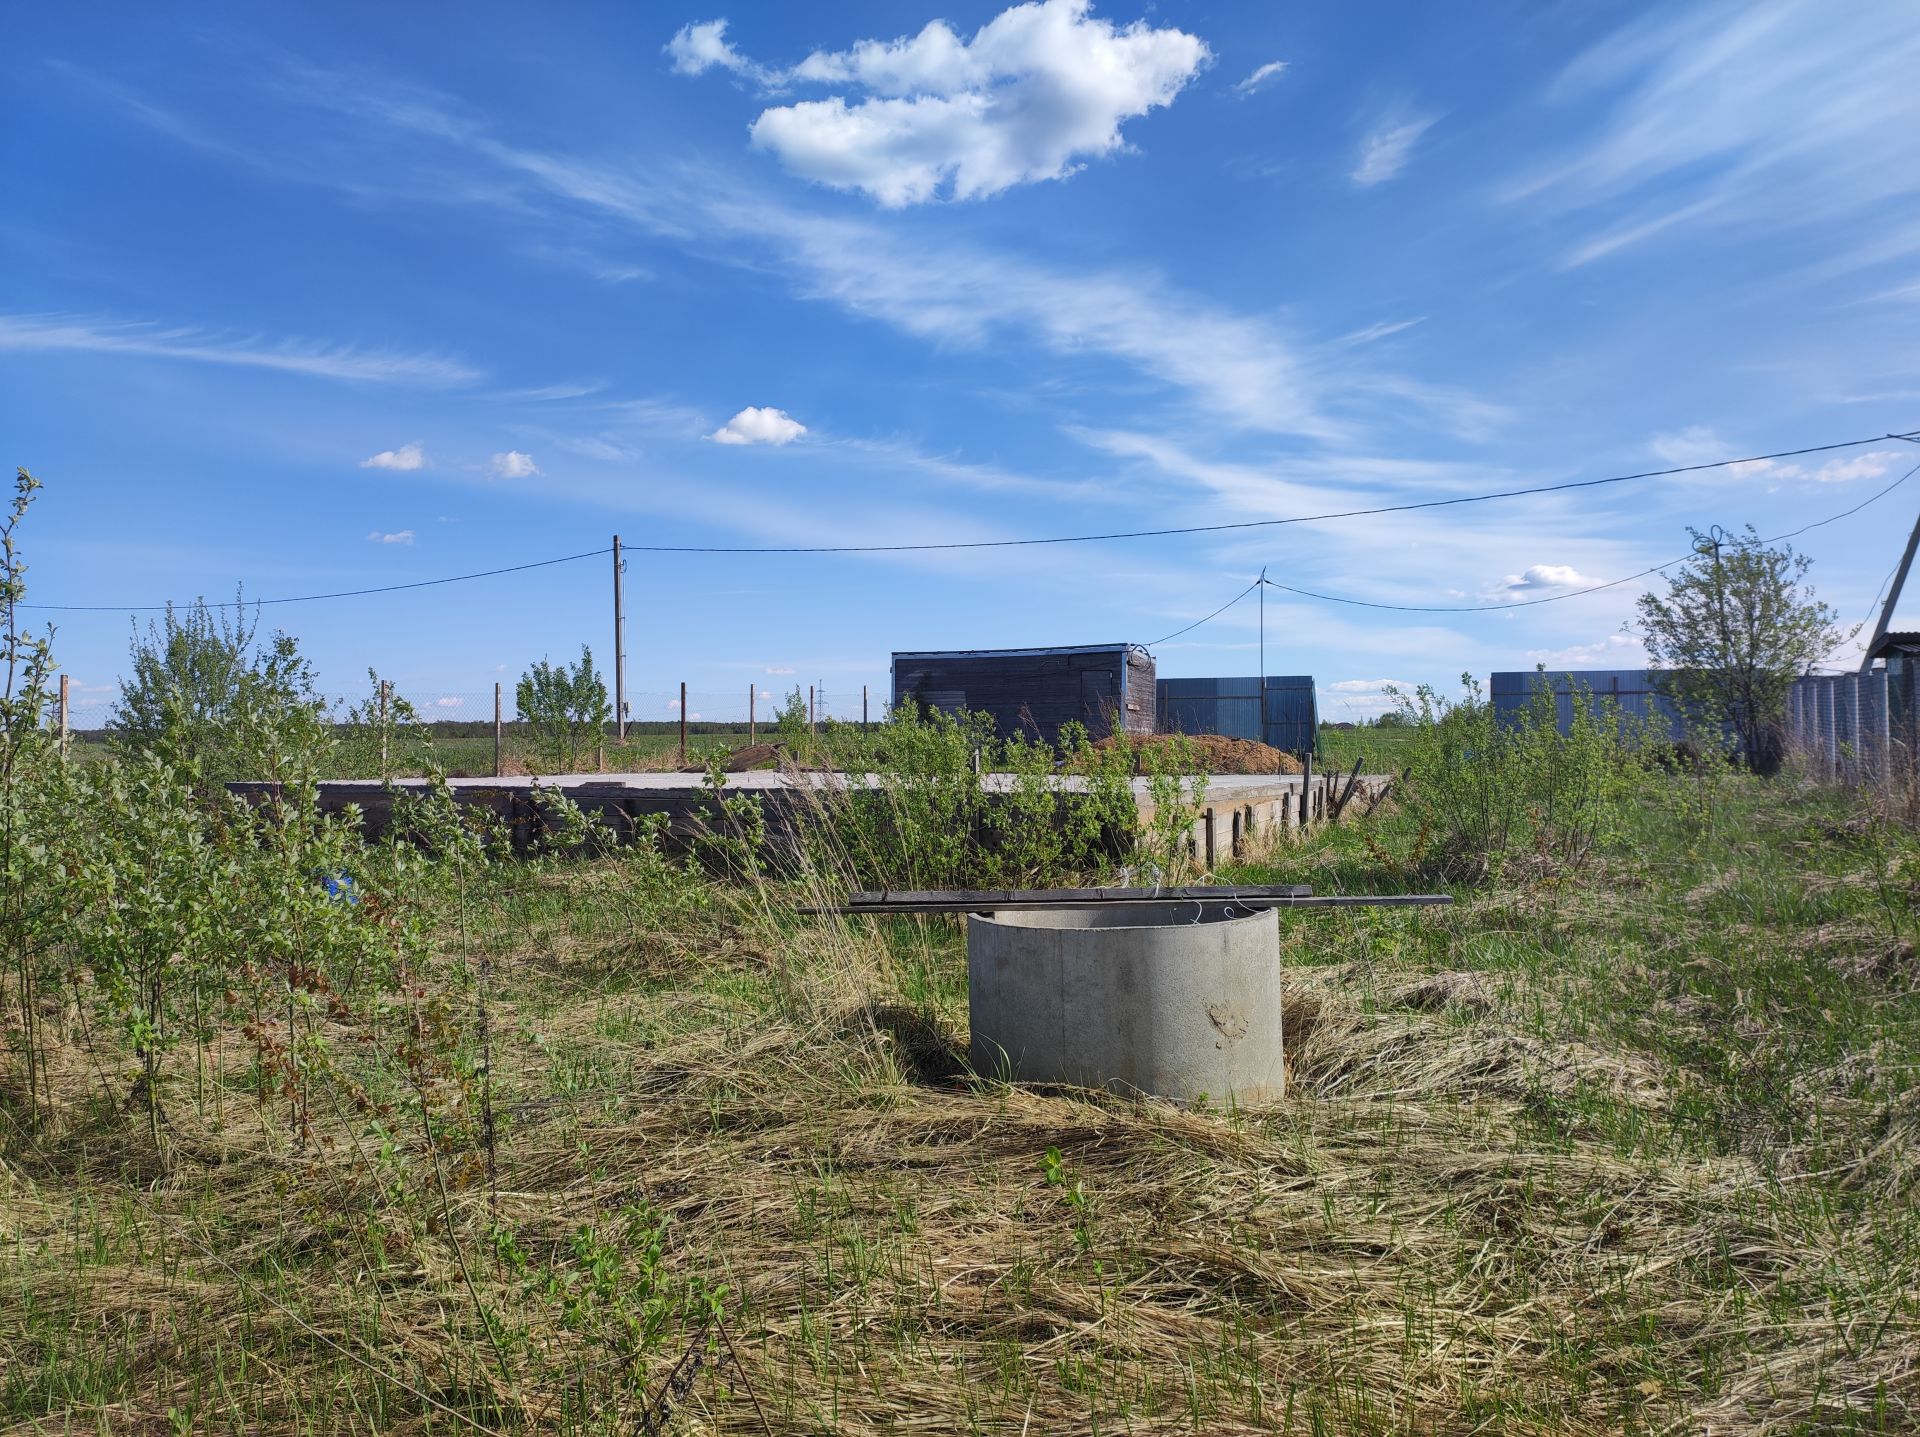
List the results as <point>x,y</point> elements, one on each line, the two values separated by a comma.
<point>1591,589</point>
<point>1170,532</point>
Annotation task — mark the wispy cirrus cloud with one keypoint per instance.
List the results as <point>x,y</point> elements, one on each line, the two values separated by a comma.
<point>1261,78</point>
<point>1817,131</point>
<point>1387,148</point>
<point>398,536</point>
<point>198,346</point>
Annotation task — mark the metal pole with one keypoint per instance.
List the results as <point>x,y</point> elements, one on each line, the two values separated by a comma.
<point>1893,597</point>
<point>863,708</point>
<point>1260,728</point>
<point>385,689</point>
<point>619,648</point>
<point>496,728</point>
<point>63,715</point>
<point>753,717</point>
<point>683,723</point>
<point>810,714</point>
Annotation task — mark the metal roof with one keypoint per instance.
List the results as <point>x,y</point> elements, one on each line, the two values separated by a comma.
<point>1903,643</point>
<point>899,654</point>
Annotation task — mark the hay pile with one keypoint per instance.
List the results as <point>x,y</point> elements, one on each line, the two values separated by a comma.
<point>1214,753</point>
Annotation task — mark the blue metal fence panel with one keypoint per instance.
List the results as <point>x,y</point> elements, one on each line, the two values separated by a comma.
<point>1634,690</point>
<point>1231,707</point>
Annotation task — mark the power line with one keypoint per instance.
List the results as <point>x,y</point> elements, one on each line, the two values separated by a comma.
<point>1253,523</point>
<point>920,548</point>
<point>1209,618</point>
<point>315,598</point>
<point>1577,593</point>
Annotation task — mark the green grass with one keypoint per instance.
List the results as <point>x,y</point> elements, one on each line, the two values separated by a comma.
<point>1627,1148</point>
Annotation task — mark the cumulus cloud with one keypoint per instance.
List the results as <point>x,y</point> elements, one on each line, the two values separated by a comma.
<point>512,465</point>
<point>1038,90</point>
<point>406,457</point>
<point>449,701</point>
<point>779,668</point>
<point>753,425</point>
<point>697,49</point>
<point>1262,77</point>
<point>1385,152</point>
<point>400,536</point>
<point>1542,577</point>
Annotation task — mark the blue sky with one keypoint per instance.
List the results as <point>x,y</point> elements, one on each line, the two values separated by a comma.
<point>365,294</point>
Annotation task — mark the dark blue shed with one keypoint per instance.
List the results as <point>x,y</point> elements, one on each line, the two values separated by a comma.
<point>1231,706</point>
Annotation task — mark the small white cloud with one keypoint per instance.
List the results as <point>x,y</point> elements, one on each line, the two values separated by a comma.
<point>513,465</point>
<point>1540,577</point>
<point>1352,699</point>
<point>1385,152</point>
<point>399,536</point>
<point>1367,686</point>
<point>1861,466</point>
<point>1696,444</point>
<point>1039,88</point>
<point>1619,650</point>
<point>406,458</point>
<point>696,49</point>
<point>449,701</point>
<point>1262,77</point>
<point>759,426</point>
<point>778,669</point>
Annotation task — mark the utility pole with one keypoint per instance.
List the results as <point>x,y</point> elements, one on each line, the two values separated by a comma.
<point>619,649</point>
<point>1260,725</point>
<point>63,716</point>
<point>1893,598</point>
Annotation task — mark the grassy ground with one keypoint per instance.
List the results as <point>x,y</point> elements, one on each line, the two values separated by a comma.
<point>1382,749</point>
<point>1628,1151</point>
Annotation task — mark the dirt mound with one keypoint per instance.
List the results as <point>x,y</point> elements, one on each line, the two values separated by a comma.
<point>1215,753</point>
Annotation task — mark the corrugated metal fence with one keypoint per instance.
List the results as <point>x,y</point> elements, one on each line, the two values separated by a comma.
<point>1231,706</point>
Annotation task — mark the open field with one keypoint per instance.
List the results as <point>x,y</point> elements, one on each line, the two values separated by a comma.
<point>1630,1148</point>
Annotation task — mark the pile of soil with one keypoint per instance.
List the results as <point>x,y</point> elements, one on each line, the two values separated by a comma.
<point>1215,753</point>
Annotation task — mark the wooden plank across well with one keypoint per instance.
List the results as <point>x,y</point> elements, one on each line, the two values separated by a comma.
<point>990,900</point>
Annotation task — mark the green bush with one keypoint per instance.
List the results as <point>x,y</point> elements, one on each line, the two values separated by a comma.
<point>1484,790</point>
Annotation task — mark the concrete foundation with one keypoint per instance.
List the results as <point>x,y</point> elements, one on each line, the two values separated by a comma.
<point>1173,1001</point>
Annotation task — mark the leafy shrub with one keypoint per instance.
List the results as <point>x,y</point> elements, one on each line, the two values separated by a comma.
<point>210,697</point>
<point>565,708</point>
<point>1482,789</point>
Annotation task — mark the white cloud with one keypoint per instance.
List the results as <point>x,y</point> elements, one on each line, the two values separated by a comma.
<point>1870,465</point>
<point>779,669</point>
<point>406,458</point>
<point>1381,330</point>
<point>699,48</point>
<point>1262,77</point>
<point>753,425</point>
<point>1542,577</point>
<point>401,536</point>
<point>449,701</point>
<point>1615,650</point>
<point>1038,90</point>
<point>320,361</point>
<point>1385,152</point>
<point>1352,699</point>
<point>1696,444</point>
<point>512,465</point>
